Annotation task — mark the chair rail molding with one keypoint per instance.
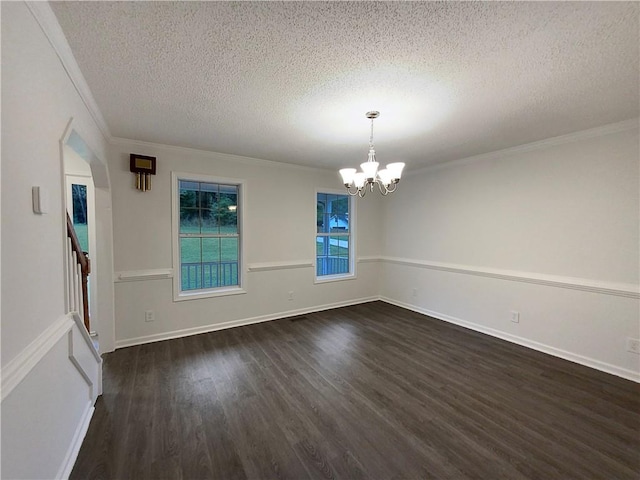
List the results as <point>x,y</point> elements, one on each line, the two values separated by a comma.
<point>263,267</point>
<point>140,275</point>
<point>607,288</point>
<point>20,366</point>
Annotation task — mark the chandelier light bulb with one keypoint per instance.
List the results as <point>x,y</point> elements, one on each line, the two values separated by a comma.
<point>396,170</point>
<point>369,169</point>
<point>386,179</point>
<point>347,175</point>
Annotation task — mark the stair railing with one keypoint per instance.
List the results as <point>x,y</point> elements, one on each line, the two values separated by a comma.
<point>78,269</point>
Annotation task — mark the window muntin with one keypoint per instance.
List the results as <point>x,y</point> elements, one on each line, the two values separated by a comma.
<point>208,231</point>
<point>334,250</point>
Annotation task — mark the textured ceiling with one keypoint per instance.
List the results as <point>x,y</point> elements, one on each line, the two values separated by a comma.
<point>291,81</point>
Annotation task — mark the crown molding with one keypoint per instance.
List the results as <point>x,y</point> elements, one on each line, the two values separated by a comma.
<point>50,26</point>
<point>48,22</point>
<point>631,124</point>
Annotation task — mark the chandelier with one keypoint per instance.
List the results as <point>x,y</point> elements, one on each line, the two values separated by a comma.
<point>357,183</point>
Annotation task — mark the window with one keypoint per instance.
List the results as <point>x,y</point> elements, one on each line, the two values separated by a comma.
<point>334,245</point>
<point>207,236</point>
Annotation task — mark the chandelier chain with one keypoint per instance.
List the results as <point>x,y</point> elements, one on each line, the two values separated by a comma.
<point>371,136</point>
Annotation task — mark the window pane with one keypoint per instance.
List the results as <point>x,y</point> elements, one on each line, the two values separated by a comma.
<point>332,251</point>
<point>228,269</point>
<point>210,262</point>
<point>207,209</point>
<point>229,249</point>
<point>338,244</point>
<point>342,265</point>
<point>320,212</point>
<point>226,190</point>
<point>189,194</point>
<point>190,263</point>
<point>209,221</point>
<point>228,210</point>
<point>190,250</point>
<point>229,223</point>
<point>228,206</point>
<point>79,214</point>
<point>189,221</point>
<point>322,245</point>
<point>210,250</point>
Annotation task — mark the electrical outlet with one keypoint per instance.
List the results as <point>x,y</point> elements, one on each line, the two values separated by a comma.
<point>290,297</point>
<point>149,316</point>
<point>633,345</point>
<point>515,317</point>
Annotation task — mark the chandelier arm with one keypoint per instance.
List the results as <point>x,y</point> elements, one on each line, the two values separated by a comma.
<point>391,190</point>
<point>383,189</point>
<point>362,192</point>
<point>350,192</point>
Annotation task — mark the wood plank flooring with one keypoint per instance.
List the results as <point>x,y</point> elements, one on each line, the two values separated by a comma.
<point>370,391</point>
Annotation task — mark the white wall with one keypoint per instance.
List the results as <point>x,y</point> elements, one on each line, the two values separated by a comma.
<point>280,214</point>
<point>46,400</point>
<point>549,230</point>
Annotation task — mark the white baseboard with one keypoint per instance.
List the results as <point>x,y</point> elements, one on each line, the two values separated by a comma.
<point>128,342</point>
<point>556,352</point>
<point>76,443</point>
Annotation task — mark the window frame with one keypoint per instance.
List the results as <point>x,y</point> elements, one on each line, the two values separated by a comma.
<point>178,294</point>
<point>351,274</point>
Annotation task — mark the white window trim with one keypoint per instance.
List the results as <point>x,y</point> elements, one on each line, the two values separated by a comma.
<point>353,218</point>
<point>179,296</point>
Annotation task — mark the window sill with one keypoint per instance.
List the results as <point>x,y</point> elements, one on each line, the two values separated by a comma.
<point>334,278</point>
<point>221,292</point>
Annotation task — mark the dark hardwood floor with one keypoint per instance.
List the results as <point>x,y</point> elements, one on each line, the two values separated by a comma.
<point>369,391</point>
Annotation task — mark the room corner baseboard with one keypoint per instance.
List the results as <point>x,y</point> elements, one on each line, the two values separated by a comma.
<point>158,337</point>
<point>556,352</point>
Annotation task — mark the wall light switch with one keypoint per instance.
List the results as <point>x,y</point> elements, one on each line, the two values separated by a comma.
<point>40,198</point>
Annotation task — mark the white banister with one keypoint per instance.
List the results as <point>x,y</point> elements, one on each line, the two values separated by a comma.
<point>78,281</point>
<point>69,273</point>
<point>77,272</point>
<point>74,282</point>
